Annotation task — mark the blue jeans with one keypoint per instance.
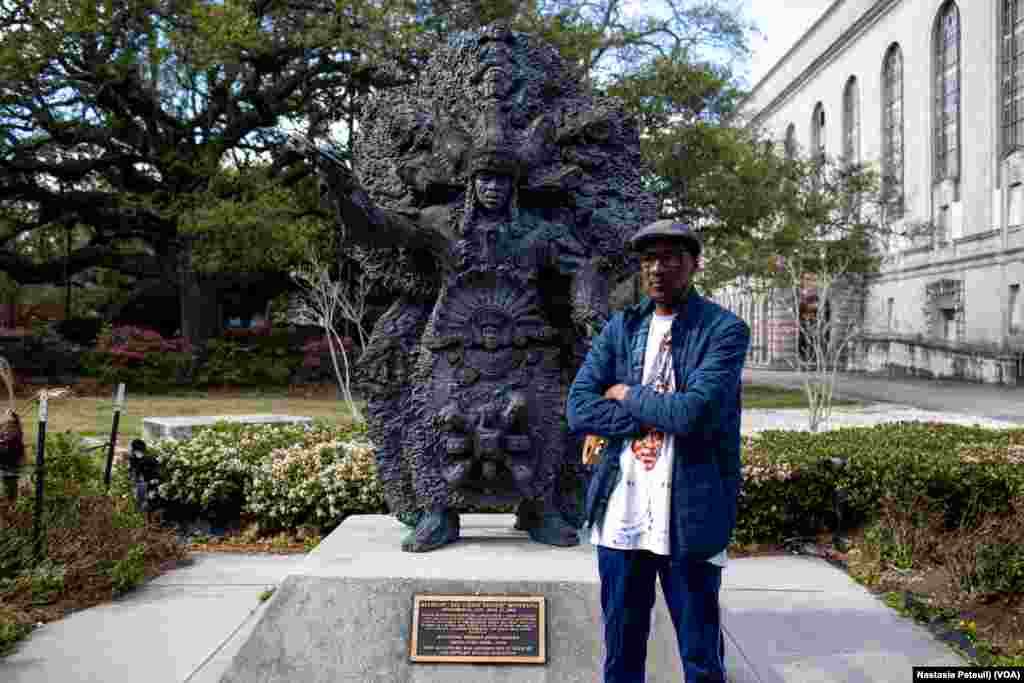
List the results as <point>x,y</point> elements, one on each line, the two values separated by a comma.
<point>627,598</point>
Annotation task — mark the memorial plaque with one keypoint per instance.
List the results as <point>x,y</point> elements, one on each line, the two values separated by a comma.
<point>483,629</point>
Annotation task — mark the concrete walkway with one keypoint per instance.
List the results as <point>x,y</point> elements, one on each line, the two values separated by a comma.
<point>861,416</point>
<point>787,619</point>
<point>983,400</point>
<point>179,627</point>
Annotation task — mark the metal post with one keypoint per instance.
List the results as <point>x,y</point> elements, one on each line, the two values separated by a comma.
<point>37,526</point>
<point>118,403</point>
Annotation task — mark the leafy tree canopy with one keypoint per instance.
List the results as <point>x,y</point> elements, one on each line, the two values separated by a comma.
<point>605,39</point>
<point>144,123</point>
<point>823,216</point>
<point>143,120</point>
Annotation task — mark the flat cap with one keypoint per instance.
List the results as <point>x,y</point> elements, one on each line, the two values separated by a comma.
<point>667,229</point>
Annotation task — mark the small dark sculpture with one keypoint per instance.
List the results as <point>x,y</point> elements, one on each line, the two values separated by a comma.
<point>12,437</point>
<point>144,470</point>
<point>12,452</point>
<point>494,197</point>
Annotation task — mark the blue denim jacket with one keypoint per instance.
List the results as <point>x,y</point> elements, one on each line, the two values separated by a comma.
<point>709,346</point>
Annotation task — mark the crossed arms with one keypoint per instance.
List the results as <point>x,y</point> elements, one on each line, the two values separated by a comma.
<point>600,403</point>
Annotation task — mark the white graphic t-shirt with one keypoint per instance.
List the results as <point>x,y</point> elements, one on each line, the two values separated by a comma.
<point>637,516</point>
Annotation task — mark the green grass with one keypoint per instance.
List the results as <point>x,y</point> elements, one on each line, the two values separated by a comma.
<point>766,397</point>
<point>92,416</point>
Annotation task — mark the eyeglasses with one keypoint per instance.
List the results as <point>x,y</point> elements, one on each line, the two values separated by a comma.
<point>666,259</point>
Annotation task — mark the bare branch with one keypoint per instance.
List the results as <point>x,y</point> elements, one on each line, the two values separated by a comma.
<point>324,300</point>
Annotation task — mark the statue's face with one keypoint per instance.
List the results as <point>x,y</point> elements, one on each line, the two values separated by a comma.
<point>489,336</point>
<point>496,83</point>
<point>493,190</point>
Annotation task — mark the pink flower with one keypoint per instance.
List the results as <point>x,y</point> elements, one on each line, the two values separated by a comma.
<point>318,345</point>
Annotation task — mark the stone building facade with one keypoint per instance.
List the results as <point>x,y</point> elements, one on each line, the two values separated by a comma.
<point>930,92</point>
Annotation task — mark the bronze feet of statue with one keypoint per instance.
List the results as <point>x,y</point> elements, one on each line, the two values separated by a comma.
<point>545,524</point>
<point>439,526</point>
<point>436,527</point>
<point>554,530</point>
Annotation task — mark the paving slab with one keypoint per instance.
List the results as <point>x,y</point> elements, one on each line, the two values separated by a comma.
<point>800,619</point>
<point>160,633</point>
<point>756,420</point>
<point>940,395</point>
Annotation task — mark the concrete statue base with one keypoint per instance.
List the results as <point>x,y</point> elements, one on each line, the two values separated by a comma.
<point>345,615</point>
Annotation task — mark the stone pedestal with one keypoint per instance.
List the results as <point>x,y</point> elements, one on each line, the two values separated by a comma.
<point>155,428</point>
<point>345,615</point>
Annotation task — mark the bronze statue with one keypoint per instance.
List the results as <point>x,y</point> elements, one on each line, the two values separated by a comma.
<point>494,196</point>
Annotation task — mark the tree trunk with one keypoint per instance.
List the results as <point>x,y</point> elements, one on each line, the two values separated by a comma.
<point>189,296</point>
<point>201,307</point>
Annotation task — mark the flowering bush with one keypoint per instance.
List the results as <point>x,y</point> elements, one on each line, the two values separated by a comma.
<point>137,356</point>
<point>143,358</point>
<point>282,474</point>
<point>211,469</point>
<point>317,484</point>
<point>263,329</point>
<point>313,352</point>
<point>316,358</point>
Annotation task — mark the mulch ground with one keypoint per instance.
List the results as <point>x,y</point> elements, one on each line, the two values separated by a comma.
<point>231,545</point>
<point>83,552</point>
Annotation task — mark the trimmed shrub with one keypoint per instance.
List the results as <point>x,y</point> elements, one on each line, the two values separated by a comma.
<point>256,357</point>
<point>963,473</point>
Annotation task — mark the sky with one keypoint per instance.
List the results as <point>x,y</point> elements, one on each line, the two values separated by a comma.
<point>781,23</point>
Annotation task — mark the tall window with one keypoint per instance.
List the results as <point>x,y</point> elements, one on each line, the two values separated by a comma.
<point>1014,313</point>
<point>947,92</point>
<point>892,130</point>
<point>1013,75</point>
<point>818,132</point>
<point>851,121</point>
<point>790,144</point>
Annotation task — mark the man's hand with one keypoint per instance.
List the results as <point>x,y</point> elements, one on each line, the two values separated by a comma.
<point>617,392</point>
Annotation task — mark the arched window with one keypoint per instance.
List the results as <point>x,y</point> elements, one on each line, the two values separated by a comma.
<point>892,130</point>
<point>818,132</point>
<point>851,121</point>
<point>790,144</point>
<point>947,92</point>
<point>1013,75</point>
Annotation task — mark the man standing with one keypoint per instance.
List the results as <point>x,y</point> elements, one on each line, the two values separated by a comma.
<point>662,384</point>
